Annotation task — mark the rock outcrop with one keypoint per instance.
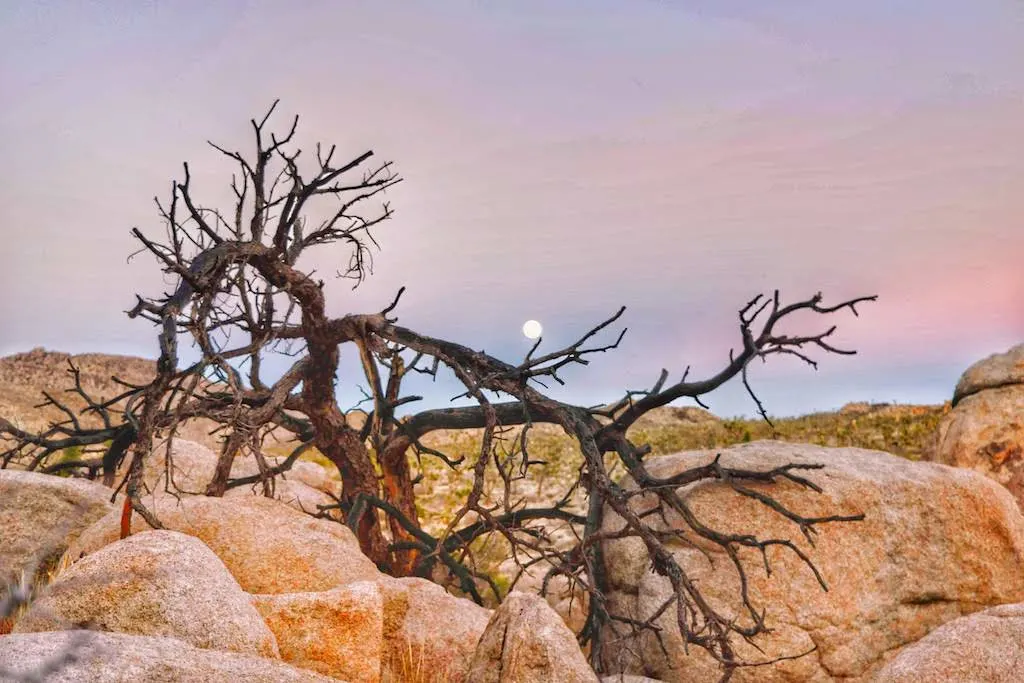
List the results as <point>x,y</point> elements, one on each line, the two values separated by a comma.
<point>936,542</point>
<point>156,583</point>
<point>40,514</point>
<point>998,370</point>
<point>292,493</point>
<point>337,633</point>
<point>305,486</point>
<point>266,545</point>
<point>428,633</point>
<point>569,599</point>
<point>370,631</point>
<point>123,658</point>
<point>527,642</point>
<point>194,465</point>
<point>985,430</point>
<point>985,647</point>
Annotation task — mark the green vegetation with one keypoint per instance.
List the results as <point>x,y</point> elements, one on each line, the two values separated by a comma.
<point>899,429</point>
<point>69,454</point>
<point>902,430</point>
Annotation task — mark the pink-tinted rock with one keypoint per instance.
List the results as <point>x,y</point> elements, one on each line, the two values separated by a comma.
<point>266,545</point>
<point>337,632</point>
<point>984,647</point>
<point>936,542</point>
<point>998,370</point>
<point>40,514</point>
<point>124,658</point>
<point>527,642</point>
<point>156,583</point>
<point>429,635</point>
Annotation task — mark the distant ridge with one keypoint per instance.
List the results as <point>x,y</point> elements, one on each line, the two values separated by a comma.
<point>24,376</point>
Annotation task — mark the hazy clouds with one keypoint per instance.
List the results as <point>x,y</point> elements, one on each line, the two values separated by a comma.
<point>561,159</point>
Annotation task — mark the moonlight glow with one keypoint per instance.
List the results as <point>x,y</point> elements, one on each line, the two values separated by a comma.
<point>532,329</point>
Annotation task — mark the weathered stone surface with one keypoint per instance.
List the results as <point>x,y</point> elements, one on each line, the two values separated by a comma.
<point>267,546</point>
<point>157,583</point>
<point>124,658</point>
<point>390,630</point>
<point>985,433</point>
<point>570,601</point>
<point>984,647</point>
<point>936,542</point>
<point>303,487</point>
<point>628,678</point>
<point>311,474</point>
<point>194,465</point>
<point>998,370</point>
<point>40,514</point>
<point>292,493</point>
<point>527,642</point>
<point>429,635</point>
<point>337,632</point>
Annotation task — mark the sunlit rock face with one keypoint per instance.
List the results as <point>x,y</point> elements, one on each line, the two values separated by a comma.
<point>985,430</point>
<point>984,646</point>
<point>526,641</point>
<point>120,657</point>
<point>268,546</point>
<point>40,515</point>
<point>156,583</point>
<point>998,370</point>
<point>936,542</point>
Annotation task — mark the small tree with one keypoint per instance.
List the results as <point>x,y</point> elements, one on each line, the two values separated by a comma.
<point>242,295</point>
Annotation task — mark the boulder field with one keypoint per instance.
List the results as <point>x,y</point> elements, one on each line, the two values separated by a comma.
<point>929,586</point>
<point>936,543</point>
<point>985,429</point>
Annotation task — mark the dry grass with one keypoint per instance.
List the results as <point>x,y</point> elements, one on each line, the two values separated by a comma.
<point>411,666</point>
<point>904,430</point>
<point>43,578</point>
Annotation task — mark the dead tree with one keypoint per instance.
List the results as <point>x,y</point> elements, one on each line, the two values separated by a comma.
<point>241,295</point>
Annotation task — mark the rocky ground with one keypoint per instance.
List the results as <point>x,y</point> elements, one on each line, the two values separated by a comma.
<point>929,587</point>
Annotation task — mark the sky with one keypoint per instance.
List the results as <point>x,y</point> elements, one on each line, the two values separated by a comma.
<point>560,159</point>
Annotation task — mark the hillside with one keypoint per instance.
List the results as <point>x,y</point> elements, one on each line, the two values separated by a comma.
<point>905,430</point>
<point>24,376</point>
<point>900,429</point>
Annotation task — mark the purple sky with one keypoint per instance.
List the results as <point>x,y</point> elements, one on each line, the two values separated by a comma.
<point>561,159</point>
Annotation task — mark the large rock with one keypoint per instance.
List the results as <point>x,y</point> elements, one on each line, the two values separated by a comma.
<point>337,632</point>
<point>985,430</point>
<point>194,465</point>
<point>985,433</point>
<point>567,597</point>
<point>936,542</point>
<point>985,647</point>
<point>998,370</point>
<point>295,494</point>
<point>40,514</point>
<point>157,583</point>
<point>123,658</point>
<point>429,635</point>
<point>267,546</point>
<point>390,630</point>
<point>527,642</point>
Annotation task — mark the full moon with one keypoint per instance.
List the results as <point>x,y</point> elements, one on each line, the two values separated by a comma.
<point>532,329</point>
